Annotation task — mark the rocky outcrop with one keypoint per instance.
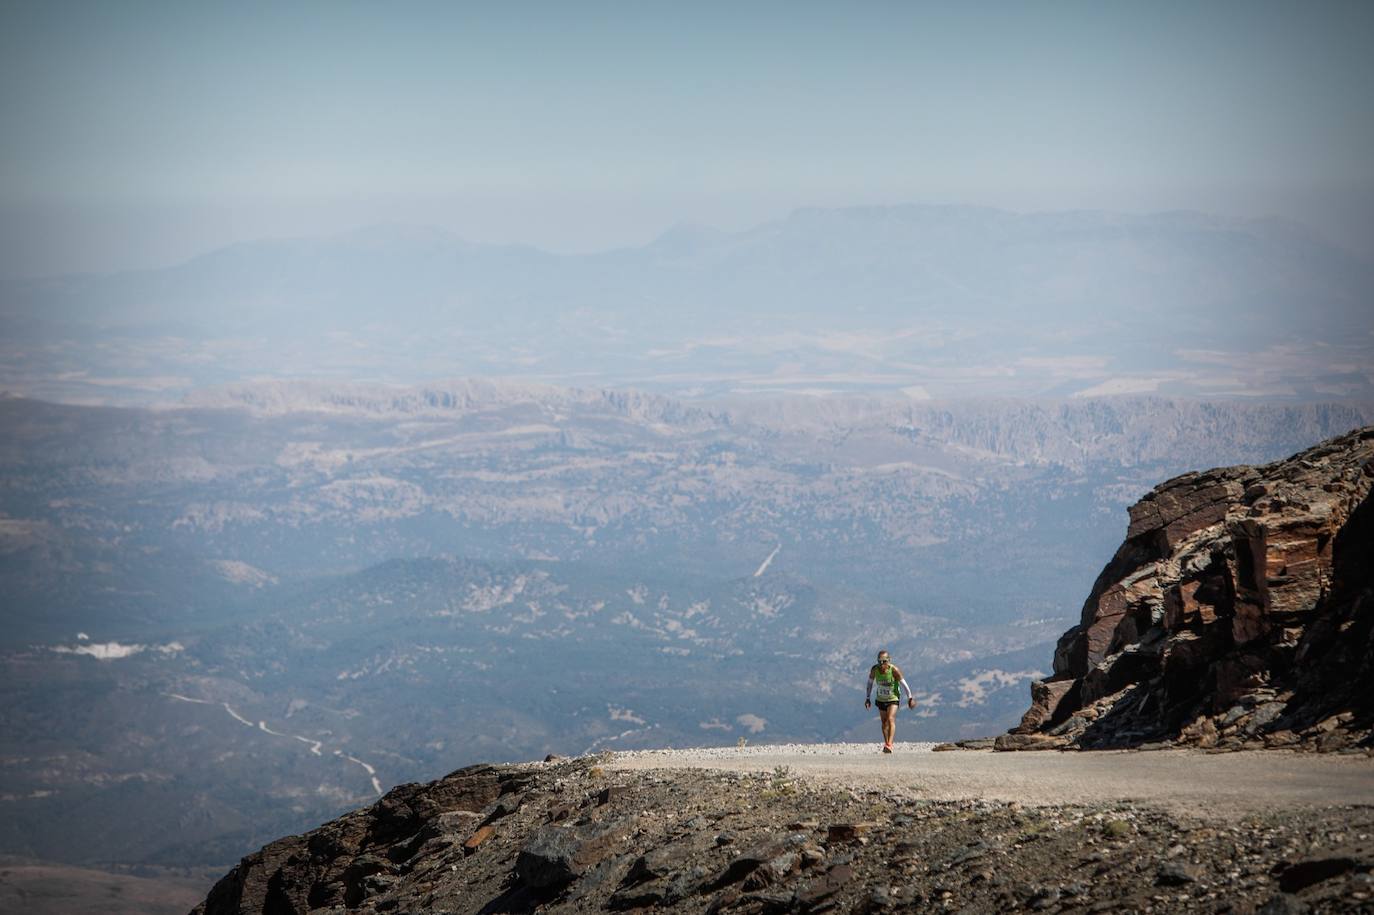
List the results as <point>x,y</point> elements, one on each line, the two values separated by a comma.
<point>348,859</point>
<point>1238,613</point>
<point>573,837</point>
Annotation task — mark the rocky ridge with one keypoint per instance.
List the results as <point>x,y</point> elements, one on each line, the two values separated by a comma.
<point>1237,614</point>
<point>572,836</point>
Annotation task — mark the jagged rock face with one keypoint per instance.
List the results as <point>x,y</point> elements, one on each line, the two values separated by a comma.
<point>347,859</point>
<point>1238,612</point>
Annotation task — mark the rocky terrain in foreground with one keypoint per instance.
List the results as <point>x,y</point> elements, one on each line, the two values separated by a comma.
<point>572,836</point>
<point>1238,613</point>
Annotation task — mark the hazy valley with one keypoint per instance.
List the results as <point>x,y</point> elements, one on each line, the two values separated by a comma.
<point>258,566</point>
<point>258,609</point>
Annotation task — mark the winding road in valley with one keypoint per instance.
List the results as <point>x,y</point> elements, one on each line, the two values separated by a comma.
<point>315,745</point>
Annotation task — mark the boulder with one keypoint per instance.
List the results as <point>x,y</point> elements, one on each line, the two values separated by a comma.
<point>1046,696</point>
<point>547,858</point>
<point>554,856</point>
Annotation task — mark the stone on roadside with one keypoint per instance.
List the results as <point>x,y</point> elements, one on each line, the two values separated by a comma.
<point>1009,742</point>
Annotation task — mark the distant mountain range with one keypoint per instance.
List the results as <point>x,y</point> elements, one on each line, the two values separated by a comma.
<point>940,301</point>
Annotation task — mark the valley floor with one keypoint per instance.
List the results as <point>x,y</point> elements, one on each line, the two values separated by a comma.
<point>36,888</point>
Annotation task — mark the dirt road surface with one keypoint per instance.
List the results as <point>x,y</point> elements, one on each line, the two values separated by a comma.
<point>1220,786</point>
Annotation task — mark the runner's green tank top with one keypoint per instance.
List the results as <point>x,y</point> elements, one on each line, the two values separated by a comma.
<point>886,684</point>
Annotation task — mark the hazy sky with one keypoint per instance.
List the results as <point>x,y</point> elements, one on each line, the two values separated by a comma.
<point>141,133</point>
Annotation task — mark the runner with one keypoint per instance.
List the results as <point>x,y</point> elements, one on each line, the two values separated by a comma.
<point>889,680</point>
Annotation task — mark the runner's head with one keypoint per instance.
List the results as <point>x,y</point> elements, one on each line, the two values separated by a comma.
<point>884,658</point>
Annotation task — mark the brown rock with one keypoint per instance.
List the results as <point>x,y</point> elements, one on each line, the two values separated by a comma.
<point>1099,634</point>
<point>811,896</point>
<point>1202,733</point>
<point>475,840</point>
<point>849,832</point>
<point>772,870</point>
<point>1046,696</point>
<point>1029,742</point>
<point>609,794</point>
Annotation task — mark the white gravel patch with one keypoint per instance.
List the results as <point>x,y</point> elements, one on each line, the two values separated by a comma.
<point>771,749</point>
<point>1192,782</point>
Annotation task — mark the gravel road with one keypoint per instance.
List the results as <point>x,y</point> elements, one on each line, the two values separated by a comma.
<point>1219,786</point>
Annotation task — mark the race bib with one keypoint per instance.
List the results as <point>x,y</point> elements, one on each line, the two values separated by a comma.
<point>887,691</point>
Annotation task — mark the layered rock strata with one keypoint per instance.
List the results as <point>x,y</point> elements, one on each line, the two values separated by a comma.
<point>1238,613</point>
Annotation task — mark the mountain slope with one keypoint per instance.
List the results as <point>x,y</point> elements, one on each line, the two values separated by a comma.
<point>587,836</point>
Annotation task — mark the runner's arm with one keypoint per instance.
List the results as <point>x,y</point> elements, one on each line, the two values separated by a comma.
<point>901,682</point>
<point>868,690</point>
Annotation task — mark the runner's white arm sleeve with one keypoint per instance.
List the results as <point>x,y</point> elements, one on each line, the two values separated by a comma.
<point>868,690</point>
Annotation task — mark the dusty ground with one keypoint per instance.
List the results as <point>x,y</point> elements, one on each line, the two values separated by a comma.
<point>1222,786</point>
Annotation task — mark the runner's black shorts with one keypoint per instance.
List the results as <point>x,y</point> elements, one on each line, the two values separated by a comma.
<point>883,705</point>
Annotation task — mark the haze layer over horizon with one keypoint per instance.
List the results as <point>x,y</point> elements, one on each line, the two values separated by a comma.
<point>139,135</point>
